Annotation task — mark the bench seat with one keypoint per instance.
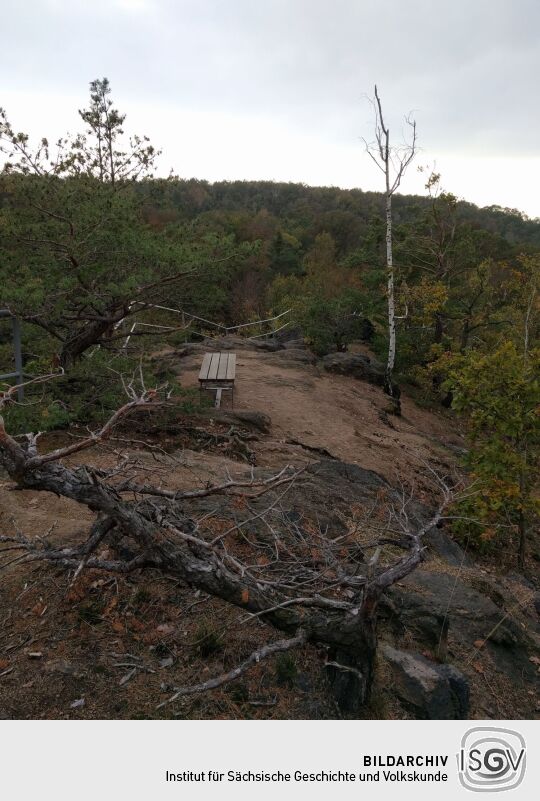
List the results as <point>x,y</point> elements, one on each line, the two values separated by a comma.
<point>217,373</point>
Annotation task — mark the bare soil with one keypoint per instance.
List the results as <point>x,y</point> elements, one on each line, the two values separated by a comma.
<point>348,418</point>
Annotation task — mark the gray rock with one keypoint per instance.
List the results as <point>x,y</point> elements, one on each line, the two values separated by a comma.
<point>265,344</point>
<point>444,546</point>
<point>296,344</point>
<point>256,420</point>
<point>429,626</point>
<point>296,355</point>
<point>343,477</point>
<point>186,350</point>
<point>356,365</point>
<point>63,667</point>
<point>471,613</point>
<point>288,334</point>
<point>329,488</point>
<point>424,600</point>
<point>228,342</point>
<point>432,691</point>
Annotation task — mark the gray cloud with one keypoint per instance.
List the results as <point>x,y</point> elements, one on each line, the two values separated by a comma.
<point>469,69</point>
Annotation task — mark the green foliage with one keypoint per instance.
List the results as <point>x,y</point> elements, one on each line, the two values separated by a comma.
<point>327,301</point>
<point>284,254</point>
<point>499,391</point>
<point>208,640</point>
<point>87,395</point>
<point>286,670</point>
<point>91,612</point>
<point>77,253</point>
<point>330,325</point>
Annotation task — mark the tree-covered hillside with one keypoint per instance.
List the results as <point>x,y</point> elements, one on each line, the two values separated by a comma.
<point>91,242</point>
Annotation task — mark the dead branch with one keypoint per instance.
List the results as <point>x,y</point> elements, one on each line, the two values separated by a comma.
<point>257,656</point>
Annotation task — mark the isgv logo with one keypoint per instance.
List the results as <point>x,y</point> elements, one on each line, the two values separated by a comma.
<point>491,759</point>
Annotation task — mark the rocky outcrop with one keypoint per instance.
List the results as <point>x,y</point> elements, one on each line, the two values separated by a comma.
<point>437,606</point>
<point>472,614</point>
<point>251,420</point>
<point>296,344</point>
<point>296,355</point>
<point>430,690</point>
<point>356,365</point>
<point>447,549</point>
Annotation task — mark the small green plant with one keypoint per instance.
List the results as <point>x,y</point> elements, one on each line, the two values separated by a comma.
<point>91,612</point>
<point>162,650</point>
<point>239,693</point>
<point>207,640</point>
<point>286,670</point>
<point>142,596</point>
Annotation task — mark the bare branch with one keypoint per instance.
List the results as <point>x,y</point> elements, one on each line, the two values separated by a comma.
<point>257,656</point>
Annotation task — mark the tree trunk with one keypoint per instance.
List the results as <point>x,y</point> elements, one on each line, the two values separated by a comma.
<point>522,520</point>
<point>465,333</point>
<point>87,336</point>
<point>351,666</point>
<point>522,529</point>
<point>439,329</point>
<point>438,332</point>
<point>390,289</point>
<point>390,388</point>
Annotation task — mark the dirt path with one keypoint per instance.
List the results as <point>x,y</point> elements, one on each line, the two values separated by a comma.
<point>346,417</point>
<point>343,416</point>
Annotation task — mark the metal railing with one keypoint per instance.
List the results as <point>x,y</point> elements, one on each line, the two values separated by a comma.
<point>19,374</point>
<point>17,351</point>
<point>187,316</point>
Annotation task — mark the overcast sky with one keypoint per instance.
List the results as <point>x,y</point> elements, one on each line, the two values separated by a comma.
<point>275,89</point>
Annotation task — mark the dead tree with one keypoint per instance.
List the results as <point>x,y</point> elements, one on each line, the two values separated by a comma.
<point>393,162</point>
<point>315,586</point>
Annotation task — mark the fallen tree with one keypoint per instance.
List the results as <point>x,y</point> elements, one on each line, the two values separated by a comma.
<point>316,586</point>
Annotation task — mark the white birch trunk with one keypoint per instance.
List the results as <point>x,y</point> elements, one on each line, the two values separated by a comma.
<point>393,168</point>
<point>390,293</point>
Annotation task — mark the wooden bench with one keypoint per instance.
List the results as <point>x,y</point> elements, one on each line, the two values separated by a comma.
<point>217,373</point>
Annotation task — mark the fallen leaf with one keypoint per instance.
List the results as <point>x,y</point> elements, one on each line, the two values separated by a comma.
<point>478,643</point>
<point>110,606</point>
<point>78,703</point>
<point>245,596</point>
<point>165,628</point>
